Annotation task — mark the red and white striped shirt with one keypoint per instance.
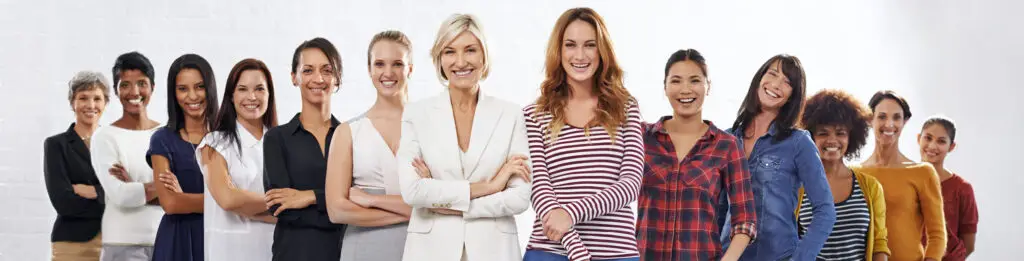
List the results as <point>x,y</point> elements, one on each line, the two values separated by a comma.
<point>590,177</point>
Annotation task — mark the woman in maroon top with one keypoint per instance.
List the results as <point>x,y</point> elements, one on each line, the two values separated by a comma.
<point>688,164</point>
<point>937,140</point>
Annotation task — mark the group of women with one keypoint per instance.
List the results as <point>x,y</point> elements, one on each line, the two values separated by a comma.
<point>442,178</point>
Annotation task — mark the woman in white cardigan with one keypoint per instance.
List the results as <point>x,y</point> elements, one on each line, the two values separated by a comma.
<point>462,158</point>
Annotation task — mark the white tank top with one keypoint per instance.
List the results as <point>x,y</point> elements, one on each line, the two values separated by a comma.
<point>374,166</point>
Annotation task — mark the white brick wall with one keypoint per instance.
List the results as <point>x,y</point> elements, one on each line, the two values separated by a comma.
<point>952,57</point>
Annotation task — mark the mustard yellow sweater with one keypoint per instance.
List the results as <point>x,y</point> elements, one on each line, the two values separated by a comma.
<point>913,205</point>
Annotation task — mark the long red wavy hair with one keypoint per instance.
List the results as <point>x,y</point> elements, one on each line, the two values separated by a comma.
<point>612,97</point>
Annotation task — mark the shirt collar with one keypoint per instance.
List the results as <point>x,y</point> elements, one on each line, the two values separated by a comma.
<point>247,139</point>
<point>659,127</point>
<point>295,125</point>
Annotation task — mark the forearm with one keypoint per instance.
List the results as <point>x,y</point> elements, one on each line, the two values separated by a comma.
<point>481,189</point>
<point>247,203</point>
<point>880,257</point>
<point>433,193</point>
<point>393,204</point>
<point>509,202</point>
<point>182,203</point>
<point>346,212</point>
<point>738,243</point>
<point>610,199</point>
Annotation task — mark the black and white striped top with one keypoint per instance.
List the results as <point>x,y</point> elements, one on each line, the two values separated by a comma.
<point>848,240</point>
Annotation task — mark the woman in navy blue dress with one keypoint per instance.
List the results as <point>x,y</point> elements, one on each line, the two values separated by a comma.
<point>191,106</point>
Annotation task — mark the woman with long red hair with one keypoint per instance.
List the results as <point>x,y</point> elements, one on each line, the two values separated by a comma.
<point>586,148</point>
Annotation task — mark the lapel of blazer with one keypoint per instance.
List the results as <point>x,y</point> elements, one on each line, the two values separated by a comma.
<point>488,115</point>
<point>445,134</point>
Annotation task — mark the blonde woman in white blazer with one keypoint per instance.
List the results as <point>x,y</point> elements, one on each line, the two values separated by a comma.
<point>462,159</point>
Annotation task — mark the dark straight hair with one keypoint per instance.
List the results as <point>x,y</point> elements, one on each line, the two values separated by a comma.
<point>327,48</point>
<point>789,114</point>
<point>227,117</point>
<point>175,115</point>
<point>686,55</point>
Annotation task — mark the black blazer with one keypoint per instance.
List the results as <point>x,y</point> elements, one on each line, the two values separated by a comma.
<point>66,162</point>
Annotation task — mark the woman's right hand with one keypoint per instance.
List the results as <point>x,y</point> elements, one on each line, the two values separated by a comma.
<point>119,172</point>
<point>515,166</point>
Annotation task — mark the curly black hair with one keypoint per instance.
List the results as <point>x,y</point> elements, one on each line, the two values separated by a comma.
<point>832,107</point>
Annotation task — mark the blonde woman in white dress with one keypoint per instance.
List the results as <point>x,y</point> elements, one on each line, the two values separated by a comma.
<point>362,179</point>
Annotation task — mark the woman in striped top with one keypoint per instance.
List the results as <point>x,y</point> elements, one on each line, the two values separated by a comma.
<point>585,146</point>
<point>838,123</point>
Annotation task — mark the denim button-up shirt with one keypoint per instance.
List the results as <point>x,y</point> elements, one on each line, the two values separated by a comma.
<point>778,170</point>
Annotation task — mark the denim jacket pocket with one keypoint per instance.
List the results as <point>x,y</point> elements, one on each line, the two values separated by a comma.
<point>768,168</point>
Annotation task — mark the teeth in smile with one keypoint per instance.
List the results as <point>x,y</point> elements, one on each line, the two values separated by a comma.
<point>388,83</point>
<point>463,72</point>
<point>194,105</point>
<point>772,94</point>
<point>135,101</point>
<point>316,89</point>
<point>689,100</point>
<point>832,149</point>
<point>889,133</point>
<point>250,107</point>
<point>580,65</point>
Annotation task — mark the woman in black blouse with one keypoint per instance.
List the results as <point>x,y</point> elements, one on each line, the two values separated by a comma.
<point>295,160</point>
<point>70,181</point>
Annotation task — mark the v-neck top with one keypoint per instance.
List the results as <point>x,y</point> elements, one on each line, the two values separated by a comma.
<point>374,165</point>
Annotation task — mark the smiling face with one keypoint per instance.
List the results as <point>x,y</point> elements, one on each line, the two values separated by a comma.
<point>832,141</point>
<point>887,122</point>
<point>935,144</point>
<point>133,91</point>
<point>462,61</point>
<point>190,92</point>
<point>315,76</point>
<point>389,68</point>
<point>685,88</point>
<point>89,105</point>
<point>251,96</point>
<point>774,89</point>
<point>580,57</point>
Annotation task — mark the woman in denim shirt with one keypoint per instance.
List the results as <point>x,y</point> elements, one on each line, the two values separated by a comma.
<point>781,159</point>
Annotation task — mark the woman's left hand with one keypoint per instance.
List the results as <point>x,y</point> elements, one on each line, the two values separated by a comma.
<point>170,181</point>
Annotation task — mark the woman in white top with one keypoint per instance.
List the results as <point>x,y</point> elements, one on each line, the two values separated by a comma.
<point>237,226</point>
<point>462,162</point>
<point>132,214</point>
<point>362,180</point>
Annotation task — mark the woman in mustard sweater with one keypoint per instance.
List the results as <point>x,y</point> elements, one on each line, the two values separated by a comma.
<point>912,196</point>
<point>838,123</point>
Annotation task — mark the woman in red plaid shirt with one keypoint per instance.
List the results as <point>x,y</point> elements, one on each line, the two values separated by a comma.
<point>689,163</point>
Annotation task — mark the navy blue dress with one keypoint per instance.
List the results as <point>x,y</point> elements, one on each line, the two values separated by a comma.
<point>180,236</point>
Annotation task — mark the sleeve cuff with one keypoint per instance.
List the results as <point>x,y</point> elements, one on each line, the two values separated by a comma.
<point>747,228</point>
<point>321,201</point>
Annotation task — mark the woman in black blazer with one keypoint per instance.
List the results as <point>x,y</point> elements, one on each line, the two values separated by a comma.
<point>70,181</point>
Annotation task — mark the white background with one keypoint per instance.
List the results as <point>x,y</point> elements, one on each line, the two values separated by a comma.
<point>960,58</point>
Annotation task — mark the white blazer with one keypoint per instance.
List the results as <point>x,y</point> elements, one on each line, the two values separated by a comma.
<point>487,229</point>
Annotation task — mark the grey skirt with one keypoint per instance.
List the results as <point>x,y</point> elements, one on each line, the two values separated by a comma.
<point>374,243</point>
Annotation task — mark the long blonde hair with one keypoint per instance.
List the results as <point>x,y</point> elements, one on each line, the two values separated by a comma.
<point>612,96</point>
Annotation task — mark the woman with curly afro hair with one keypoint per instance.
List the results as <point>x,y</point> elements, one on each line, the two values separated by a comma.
<point>838,124</point>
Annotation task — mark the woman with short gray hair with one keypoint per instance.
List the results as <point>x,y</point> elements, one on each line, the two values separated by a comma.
<point>70,181</point>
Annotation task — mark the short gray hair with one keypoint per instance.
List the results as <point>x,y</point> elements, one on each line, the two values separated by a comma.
<point>87,80</point>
